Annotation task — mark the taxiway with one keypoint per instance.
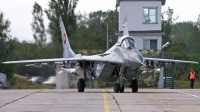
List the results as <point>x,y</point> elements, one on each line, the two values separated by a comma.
<point>100,100</point>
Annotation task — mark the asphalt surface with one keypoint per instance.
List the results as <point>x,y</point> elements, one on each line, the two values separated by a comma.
<point>100,100</point>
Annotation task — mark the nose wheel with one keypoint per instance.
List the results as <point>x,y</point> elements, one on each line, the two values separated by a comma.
<point>81,85</point>
<point>120,87</point>
<point>121,90</point>
<point>117,88</point>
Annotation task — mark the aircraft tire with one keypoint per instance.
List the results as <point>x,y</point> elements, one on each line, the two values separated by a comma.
<point>81,85</point>
<point>135,86</point>
<point>116,88</point>
<point>121,89</point>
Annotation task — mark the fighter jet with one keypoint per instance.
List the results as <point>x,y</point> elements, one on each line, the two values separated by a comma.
<point>118,63</point>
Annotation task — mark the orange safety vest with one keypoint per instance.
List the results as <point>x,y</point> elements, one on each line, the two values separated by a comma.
<point>192,75</point>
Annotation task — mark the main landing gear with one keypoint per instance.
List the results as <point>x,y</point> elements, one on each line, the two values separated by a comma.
<point>81,82</point>
<point>81,85</point>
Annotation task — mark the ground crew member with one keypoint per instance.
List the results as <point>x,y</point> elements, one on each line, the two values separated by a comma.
<point>192,77</point>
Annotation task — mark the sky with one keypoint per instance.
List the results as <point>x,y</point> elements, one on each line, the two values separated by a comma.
<point>19,12</point>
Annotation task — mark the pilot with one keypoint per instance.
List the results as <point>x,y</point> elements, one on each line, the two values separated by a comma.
<point>192,77</point>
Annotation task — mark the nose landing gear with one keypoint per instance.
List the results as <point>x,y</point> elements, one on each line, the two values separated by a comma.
<point>117,88</point>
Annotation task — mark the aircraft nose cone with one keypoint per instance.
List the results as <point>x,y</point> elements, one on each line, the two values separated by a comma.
<point>136,60</point>
<point>139,59</point>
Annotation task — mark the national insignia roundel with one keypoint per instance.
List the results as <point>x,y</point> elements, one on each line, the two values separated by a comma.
<point>64,38</point>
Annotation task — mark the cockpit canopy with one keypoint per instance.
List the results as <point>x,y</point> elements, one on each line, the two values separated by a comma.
<point>128,42</point>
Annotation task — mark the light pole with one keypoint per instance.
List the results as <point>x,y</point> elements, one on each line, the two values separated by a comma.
<point>160,82</point>
<point>163,48</point>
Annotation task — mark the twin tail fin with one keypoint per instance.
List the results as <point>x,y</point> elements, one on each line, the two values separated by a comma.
<point>67,51</point>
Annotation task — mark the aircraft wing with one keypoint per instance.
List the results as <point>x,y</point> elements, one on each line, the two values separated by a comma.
<point>169,60</point>
<point>43,60</point>
<point>59,60</point>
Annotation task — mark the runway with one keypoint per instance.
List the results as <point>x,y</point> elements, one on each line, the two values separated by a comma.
<point>100,100</point>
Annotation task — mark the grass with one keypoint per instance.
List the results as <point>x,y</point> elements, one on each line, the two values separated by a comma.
<point>24,83</point>
<point>185,84</point>
<point>178,84</point>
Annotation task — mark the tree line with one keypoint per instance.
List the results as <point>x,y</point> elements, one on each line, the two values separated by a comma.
<point>184,38</point>
<point>85,31</point>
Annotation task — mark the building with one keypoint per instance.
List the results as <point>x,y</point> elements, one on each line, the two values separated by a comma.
<point>144,22</point>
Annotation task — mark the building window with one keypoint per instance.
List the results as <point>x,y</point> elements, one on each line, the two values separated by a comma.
<point>150,44</point>
<point>150,15</point>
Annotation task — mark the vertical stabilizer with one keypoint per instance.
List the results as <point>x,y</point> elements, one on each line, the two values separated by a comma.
<point>125,27</point>
<point>67,51</point>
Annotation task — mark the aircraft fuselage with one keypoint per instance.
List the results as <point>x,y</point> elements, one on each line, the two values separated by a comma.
<point>125,51</point>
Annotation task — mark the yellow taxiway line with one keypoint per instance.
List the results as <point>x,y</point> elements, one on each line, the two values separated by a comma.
<point>105,101</point>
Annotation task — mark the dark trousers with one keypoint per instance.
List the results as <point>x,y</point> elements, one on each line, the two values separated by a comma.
<point>191,83</point>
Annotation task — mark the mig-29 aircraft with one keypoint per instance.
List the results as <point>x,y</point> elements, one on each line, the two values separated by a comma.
<point>120,62</point>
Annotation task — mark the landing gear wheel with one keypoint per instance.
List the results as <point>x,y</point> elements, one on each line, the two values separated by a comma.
<point>121,89</point>
<point>134,86</point>
<point>116,88</point>
<point>81,85</point>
